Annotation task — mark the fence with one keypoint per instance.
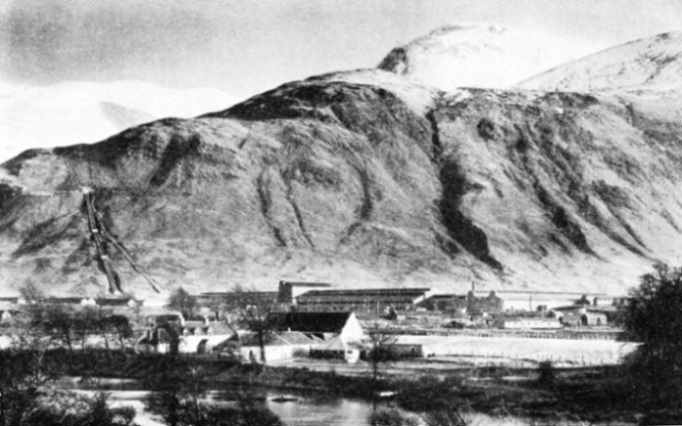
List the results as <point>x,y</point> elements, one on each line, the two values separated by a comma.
<point>533,334</point>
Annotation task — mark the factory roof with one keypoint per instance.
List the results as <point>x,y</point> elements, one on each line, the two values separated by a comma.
<point>385,295</point>
<point>310,322</point>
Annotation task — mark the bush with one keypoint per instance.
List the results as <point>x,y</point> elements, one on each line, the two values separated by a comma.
<point>391,417</point>
<point>547,374</point>
<point>653,317</point>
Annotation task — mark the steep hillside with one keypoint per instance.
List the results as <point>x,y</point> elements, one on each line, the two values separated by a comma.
<point>649,63</point>
<point>361,179</point>
<point>479,55</point>
<point>70,112</point>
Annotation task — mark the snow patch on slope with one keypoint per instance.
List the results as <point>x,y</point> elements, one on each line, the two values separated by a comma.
<point>75,112</point>
<point>420,98</point>
<point>479,55</point>
<point>649,63</point>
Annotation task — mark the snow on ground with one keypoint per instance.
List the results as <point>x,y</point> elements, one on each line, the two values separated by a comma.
<point>560,351</point>
<point>480,55</point>
<point>75,112</point>
<point>654,63</point>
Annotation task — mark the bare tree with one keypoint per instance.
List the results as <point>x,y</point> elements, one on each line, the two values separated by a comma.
<point>31,293</point>
<point>87,322</point>
<point>381,348</point>
<point>54,321</point>
<point>216,306</point>
<point>120,326</point>
<point>179,397</point>
<point>253,308</point>
<point>28,395</point>
<point>184,302</point>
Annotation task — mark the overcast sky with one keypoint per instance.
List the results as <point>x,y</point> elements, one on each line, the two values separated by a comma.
<point>249,46</point>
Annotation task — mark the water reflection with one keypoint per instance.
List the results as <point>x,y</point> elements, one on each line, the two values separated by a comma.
<point>328,412</point>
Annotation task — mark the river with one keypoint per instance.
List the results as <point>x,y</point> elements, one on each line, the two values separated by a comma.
<point>294,408</point>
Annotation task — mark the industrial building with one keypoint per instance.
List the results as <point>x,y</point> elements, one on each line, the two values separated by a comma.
<point>288,291</point>
<point>377,300</point>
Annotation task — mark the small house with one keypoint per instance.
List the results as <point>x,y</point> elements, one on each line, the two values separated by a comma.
<point>523,323</point>
<point>450,303</point>
<point>5,317</point>
<point>277,346</point>
<point>320,324</point>
<point>339,348</point>
<point>579,315</point>
<point>160,340</point>
<point>490,304</point>
<point>7,311</point>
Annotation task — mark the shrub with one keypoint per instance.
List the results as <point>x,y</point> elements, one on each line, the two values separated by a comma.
<point>547,374</point>
<point>391,417</point>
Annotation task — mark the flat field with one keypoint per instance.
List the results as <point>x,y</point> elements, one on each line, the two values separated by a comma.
<point>522,351</point>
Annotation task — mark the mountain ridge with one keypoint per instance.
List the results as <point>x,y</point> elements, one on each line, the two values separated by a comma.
<point>363,178</point>
<point>70,112</point>
<point>346,182</point>
<point>654,63</point>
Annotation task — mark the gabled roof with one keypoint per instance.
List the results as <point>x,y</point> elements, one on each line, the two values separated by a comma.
<point>447,296</point>
<point>304,284</point>
<point>277,339</point>
<point>8,306</point>
<point>71,300</point>
<point>270,339</point>
<point>221,327</point>
<point>166,318</point>
<point>195,324</point>
<point>310,322</point>
<point>568,308</point>
<point>338,343</point>
<point>296,338</point>
<point>113,301</point>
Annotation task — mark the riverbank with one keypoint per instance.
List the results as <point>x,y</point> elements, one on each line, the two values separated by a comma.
<point>569,396</point>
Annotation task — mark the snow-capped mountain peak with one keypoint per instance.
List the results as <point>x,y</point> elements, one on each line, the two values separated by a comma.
<point>479,55</point>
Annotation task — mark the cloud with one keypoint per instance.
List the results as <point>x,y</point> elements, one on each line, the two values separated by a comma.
<point>48,41</point>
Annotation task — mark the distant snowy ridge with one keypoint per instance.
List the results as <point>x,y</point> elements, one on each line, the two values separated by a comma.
<point>479,55</point>
<point>649,63</point>
<point>76,112</point>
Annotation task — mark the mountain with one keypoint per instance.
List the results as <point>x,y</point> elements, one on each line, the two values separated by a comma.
<point>361,179</point>
<point>479,55</point>
<point>69,112</point>
<point>653,63</point>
